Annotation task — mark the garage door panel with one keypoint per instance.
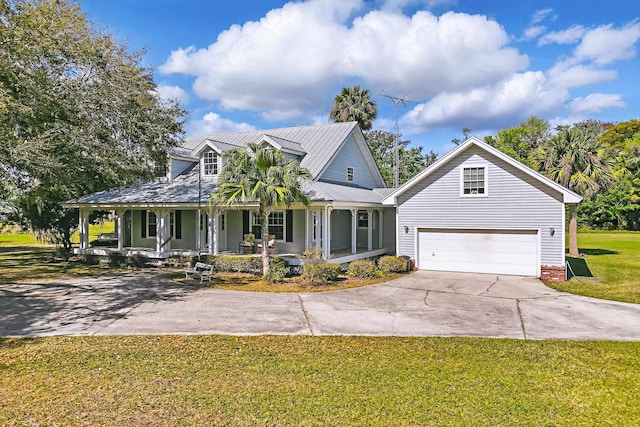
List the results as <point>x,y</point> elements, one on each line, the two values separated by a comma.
<point>481,251</point>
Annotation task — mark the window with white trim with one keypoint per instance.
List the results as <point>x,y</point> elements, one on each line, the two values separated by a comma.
<point>210,163</point>
<point>276,223</point>
<point>474,181</point>
<point>363,220</point>
<point>152,223</point>
<point>349,174</point>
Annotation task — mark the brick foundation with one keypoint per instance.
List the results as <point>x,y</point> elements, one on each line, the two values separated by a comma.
<point>552,273</point>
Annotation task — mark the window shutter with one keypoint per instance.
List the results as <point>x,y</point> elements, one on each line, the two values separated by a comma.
<point>143,223</point>
<point>178,224</point>
<point>289,224</point>
<point>245,222</point>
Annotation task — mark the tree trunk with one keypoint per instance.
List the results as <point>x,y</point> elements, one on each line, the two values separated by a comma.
<point>573,231</point>
<point>264,229</point>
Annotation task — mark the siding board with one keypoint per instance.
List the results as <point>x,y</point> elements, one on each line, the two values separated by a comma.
<point>514,200</point>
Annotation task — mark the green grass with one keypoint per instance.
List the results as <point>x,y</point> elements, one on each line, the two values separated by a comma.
<point>611,268</point>
<point>214,380</point>
<point>24,259</point>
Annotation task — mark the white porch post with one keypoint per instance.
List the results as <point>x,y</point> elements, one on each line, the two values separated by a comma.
<point>84,229</point>
<point>215,241</point>
<point>160,227</point>
<point>307,212</point>
<point>199,230</point>
<point>210,231</point>
<point>326,238</point>
<point>120,228</point>
<point>369,229</point>
<point>380,233</point>
<point>354,230</point>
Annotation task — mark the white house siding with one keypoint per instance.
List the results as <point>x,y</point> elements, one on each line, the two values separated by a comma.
<point>514,201</point>
<point>349,155</point>
<point>389,230</point>
<point>188,231</point>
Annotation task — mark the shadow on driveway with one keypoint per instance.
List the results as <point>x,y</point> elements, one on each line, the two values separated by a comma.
<point>81,306</point>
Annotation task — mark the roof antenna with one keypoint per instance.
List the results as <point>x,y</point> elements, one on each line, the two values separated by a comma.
<point>396,130</point>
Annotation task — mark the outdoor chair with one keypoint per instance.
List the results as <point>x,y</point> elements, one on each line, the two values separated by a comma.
<point>247,246</point>
<point>271,243</point>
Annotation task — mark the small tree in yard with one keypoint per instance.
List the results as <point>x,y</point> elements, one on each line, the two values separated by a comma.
<point>264,176</point>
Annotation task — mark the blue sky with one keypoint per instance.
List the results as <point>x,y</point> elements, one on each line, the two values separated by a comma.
<point>480,64</point>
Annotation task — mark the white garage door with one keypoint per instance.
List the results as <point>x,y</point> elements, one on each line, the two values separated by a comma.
<point>479,251</point>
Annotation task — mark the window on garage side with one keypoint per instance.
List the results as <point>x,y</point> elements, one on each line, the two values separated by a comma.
<point>474,181</point>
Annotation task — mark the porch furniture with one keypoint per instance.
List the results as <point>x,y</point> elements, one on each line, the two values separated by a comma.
<point>201,270</point>
<point>247,246</point>
<point>270,244</point>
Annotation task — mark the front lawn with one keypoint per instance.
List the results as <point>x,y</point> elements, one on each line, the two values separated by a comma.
<point>216,380</point>
<point>610,268</point>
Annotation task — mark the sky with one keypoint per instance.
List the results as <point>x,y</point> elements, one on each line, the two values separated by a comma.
<point>484,65</point>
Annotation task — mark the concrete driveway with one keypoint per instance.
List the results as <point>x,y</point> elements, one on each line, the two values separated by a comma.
<point>420,304</point>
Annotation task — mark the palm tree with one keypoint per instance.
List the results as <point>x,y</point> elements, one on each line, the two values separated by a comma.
<point>575,159</point>
<point>354,104</point>
<point>260,175</point>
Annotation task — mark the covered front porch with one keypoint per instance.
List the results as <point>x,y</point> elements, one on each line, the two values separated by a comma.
<point>344,233</point>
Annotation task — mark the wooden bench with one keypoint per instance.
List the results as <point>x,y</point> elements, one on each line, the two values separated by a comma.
<point>201,270</point>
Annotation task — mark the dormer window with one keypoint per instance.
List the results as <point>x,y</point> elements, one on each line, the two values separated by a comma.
<point>210,163</point>
<point>349,174</point>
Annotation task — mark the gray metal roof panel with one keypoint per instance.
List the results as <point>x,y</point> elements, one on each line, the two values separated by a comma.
<point>183,189</point>
<point>324,191</point>
<point>321,142</point>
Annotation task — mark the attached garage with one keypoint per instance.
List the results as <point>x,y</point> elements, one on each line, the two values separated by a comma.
<point>480,251</point>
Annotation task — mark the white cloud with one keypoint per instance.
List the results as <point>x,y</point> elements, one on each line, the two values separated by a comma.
<point>595,103</point>
<point>540,15</point>
<point>606,44</point>
<point>175,93</point>
<point>214,123</point>
<point>567,74</point>
<point>510,101</point>
<point>291,60</point>
<point>571,35</point>
<point>534,31</point>
<point>288,65</point>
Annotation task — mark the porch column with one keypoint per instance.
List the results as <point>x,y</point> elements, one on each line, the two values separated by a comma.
<point>199,230</point>
<point>380,233</point>
<point>326,238</point>
<point>307,212</point>
<point>215,241</point>
<point>120,228</point>
<point>369,229</point>
<point>84,229</point>
<point>354,230</point>
<point>210,231</point>
<point>161,227</point>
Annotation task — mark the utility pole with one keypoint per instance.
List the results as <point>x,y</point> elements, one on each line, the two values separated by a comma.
<point>396,132</point>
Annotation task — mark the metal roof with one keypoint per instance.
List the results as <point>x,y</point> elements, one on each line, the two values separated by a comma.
<point>320,142</point>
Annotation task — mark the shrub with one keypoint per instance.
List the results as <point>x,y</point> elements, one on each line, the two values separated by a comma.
<point>393,264</point>
<point>278,270</point>
<point>314,254</point>
<point>91,259</point>
<point>365,269</point>
<point>138,260</point>
<point>62,253</point>
<point>232,263</point>
<point>321,273</point>
<point>116,259</point>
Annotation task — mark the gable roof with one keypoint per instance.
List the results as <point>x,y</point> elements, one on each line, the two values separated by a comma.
<point>318,143</point>
<point>568,196</point>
